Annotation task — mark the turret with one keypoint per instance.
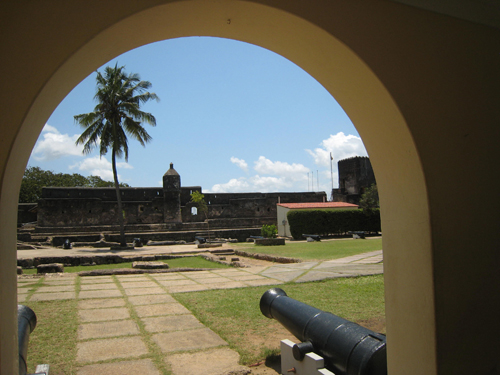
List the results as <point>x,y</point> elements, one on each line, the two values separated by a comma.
<point>172,196</point>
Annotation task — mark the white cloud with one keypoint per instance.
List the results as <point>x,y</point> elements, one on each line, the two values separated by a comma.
<point>341,146</point>
<point>275,176</point>
<point>240,163</point>
<point>294,172</point>
<point>100,166</point>
<point>234,185</point>
<point>282,177</point>
<point>53,145</point>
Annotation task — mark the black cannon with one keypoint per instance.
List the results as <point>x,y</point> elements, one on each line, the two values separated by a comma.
<point>315,237</point>
<point>201,240</point>
<point>26,323</point>
<point>348,348</point>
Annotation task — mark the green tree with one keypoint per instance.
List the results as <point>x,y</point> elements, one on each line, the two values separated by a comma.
<point>369,199</point>
<point>96,181</point>
<point>36,178</point>
<point>116,115</point>
<point>269,231</point>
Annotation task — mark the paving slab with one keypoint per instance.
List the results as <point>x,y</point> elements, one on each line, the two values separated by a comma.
<point>170,276</point>
<point>187,288</point>
<point>100,293</point>
<point>211,362</point>
<point>214,280</point>
<point>151,299</point>
<point>317,275</point>
<point>354,258</point>
<point>23,290</point>
<point>296,266</point>
<point>99,315</point>
<point>370,260</point>
<point>98,286</point>
<point>100,303</point>
<point>174,308</point>
<point>247,277</point>
<point>202,275</point>
<point>255,270</point>
<point>66,281</point>
<point>52,296</point>
<point>188,340</point>
<point>107,329</point>
<point>169,283</point>
<point>139,367</point>
<point>228,272</point>
<point>229,285</point>
<point>60,288</point>
<point>144,291</point>
<point>138,284</point>
<point>96,280</point>
<point>21,297</point>
<point>106,349</point>
<point>278,269</point>
<point>283,276</point>
<point>171,323</point>
<point>134,278</point>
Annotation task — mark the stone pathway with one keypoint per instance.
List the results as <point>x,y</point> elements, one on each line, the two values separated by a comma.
<point>130,324</point>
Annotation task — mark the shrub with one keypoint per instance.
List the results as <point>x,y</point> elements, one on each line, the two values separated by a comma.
<point>327,222</point>
<point>269,231</point>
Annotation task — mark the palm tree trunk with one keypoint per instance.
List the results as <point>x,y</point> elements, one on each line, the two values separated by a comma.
<point>119,200</point>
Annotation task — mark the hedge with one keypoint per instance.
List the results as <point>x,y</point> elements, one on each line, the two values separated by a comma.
<point>328,222</point>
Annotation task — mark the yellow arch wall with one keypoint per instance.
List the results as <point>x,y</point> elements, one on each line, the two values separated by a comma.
<point>421,88</point>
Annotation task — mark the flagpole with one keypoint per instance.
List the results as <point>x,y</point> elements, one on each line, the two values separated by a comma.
<point>331,170</point>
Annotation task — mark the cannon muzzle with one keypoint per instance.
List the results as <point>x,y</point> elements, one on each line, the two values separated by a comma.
<point>347,347</point>
<point>26,323</point>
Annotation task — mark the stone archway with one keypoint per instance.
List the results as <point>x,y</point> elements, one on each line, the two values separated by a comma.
<point>382,61</point>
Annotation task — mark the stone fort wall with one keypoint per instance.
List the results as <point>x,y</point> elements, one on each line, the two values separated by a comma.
<point>80,207</point>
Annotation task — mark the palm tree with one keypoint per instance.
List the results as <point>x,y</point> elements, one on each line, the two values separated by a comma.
<point>117,115</point>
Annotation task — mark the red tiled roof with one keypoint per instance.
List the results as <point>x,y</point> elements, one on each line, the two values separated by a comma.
<point>317,205</point>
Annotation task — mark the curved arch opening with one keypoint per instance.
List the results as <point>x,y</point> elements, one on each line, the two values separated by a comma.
<point>333,64</point>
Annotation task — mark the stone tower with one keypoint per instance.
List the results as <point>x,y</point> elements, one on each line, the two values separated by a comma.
<point>172,196</point>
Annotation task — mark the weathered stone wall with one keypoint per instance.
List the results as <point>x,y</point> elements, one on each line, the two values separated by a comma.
<point>88,212</point>
<point>25,213</point>
<point>80,207</point>
<point>247,205</point>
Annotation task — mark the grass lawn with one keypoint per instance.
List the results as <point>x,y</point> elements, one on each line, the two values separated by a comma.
<point>323,250</point>
<point>186,262</point>
<point>235,314</point>
<point>54,339</point>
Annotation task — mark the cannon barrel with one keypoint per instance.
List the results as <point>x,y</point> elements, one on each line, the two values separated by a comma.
<point>26,323</point>
<point>347,347</point>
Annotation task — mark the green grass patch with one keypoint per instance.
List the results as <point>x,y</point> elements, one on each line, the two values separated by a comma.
<point>185,262</point>
<point>53,340</point>
<point>235,314</point>
<point>322,250</point>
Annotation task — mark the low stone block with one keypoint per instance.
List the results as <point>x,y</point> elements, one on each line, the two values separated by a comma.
<point>269,241</point>
<point>25,262</point>
<point>50,268</point>
<point>149,265</point>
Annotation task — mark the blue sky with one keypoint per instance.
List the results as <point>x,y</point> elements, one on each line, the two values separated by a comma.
<point>232,117</point>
